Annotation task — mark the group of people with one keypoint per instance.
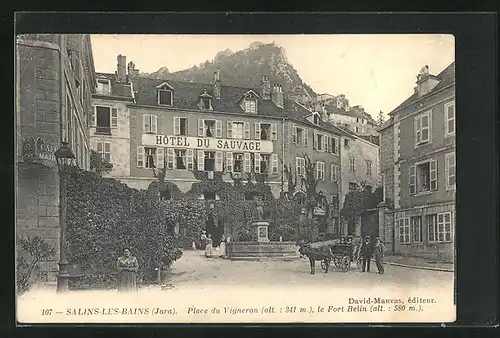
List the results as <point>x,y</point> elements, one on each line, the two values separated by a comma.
<point>208,243</point>
<point>367,250</point>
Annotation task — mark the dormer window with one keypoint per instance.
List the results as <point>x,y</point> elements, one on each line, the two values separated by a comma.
<point>316,119</point>
<point>103,86</point>
<point>165,95</point>
<point>205,101</point>
<point>249,102</point>
<point>250,105</point>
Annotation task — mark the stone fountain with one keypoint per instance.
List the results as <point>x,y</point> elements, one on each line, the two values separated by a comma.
<point>262,247</point>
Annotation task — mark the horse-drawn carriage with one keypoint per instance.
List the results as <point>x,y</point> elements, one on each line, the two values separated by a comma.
<point>341,254</point>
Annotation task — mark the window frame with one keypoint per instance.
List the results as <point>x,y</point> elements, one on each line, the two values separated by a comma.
<point>320,170</point>
<point>171,97</point>
<point>417,128</point>
<point>146,155</point>
<point>352,164</point>
<point>103,152</point>
<point>302,166</point>
<point>447,158</point>
<point>151,130</point>
<point>404,223</point>
<point>233,130</point>
<point>437,232</point>
<point>447,118</point>
<point>247,105</point>
<point>416,221</point>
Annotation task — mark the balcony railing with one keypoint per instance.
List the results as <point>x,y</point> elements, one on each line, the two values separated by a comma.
<point>103,130</point>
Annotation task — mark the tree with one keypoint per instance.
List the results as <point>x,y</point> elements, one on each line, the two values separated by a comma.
<point>98,164</point>
<point>38,251</point>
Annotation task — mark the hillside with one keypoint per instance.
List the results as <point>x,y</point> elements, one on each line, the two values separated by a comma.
<point>244,68</point>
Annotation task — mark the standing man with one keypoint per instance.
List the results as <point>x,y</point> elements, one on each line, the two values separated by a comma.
<point>366,254</point>
<point>378,252</point>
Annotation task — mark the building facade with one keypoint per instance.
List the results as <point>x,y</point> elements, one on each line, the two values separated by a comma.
<point>142,123</point>
<point>419,168</point>
<point>55,79</point>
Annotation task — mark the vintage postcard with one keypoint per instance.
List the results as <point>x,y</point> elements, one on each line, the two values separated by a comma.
<point>235,178</point>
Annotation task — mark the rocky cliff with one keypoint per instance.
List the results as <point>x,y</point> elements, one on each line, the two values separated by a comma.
<point>244,68</point>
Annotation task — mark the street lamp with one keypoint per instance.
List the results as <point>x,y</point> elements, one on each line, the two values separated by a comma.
<point>64,158</point>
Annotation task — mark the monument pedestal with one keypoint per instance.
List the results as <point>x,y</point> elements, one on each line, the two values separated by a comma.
<point>261,229</point>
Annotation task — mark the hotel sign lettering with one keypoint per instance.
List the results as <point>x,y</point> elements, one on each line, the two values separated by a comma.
<point>208,143</point>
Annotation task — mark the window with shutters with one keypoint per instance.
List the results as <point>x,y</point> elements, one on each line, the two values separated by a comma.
<point>449,111</point>
<point>209,161</point>
<point>104,119</point>
<point>368,168</point>
<point>103,87</point>
<point>149,122</point>
<point>274,164</point>
<point>422,125</point>
<point>404,230</point>
<point>238,162</point>
<point>439,227</point>
<point>352,164</point>
<point>181,126</point>
<point>265,131</point>
<point>320,142</point>
<point>450,171</point>
<point>265,163</point>
<point>416,229</point>
<point>150,154</point>
<point>333,145</point>
<point>165,97</point>
<point>180,159</point>
<point>334,173</point>
<point>209,128</point>
<point>300,164</point>
<point>300,136</point>
<point>238,130</point>
<point>104,149</point>
<point>320,170</point>
<point>423,177</point>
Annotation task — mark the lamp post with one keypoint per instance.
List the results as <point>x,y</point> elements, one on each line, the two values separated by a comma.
<point>65,158</point>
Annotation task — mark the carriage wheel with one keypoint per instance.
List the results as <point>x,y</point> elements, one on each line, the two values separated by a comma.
<point>337,262</point>
<point>323,264</point>
<point>346,262</point>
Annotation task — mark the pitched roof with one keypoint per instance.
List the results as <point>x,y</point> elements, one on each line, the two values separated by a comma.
<point>121,90</point>
<point>186,96</point>
<point>446,78</point>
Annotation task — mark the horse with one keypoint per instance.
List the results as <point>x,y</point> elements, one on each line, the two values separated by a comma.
<point>323,254</point>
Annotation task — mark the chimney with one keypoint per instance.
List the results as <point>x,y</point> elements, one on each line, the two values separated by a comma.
<point>277,95</point>
<point>216,85</point>
<point>121,70</point>
<point>265,88</point>
<point>132,72</point>
<point>425,81</point>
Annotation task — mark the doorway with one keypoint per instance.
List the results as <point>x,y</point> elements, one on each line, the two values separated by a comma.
<point>215,227</point>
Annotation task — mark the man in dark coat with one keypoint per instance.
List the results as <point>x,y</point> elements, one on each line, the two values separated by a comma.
<point>366,254</point>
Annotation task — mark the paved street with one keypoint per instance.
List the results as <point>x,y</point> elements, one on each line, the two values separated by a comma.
<point>194,269</point>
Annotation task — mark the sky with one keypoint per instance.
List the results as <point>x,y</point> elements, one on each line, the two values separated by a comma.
<point>377,72</point>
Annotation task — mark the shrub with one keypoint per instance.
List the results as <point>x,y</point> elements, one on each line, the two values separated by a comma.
<point>28,267</point>
<point>103,217</point>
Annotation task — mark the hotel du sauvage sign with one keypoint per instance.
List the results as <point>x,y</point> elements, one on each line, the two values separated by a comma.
<point>208,143</point>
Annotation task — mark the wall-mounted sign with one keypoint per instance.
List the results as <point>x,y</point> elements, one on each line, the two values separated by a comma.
<point>38,149</point>
<point>208,143</point>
